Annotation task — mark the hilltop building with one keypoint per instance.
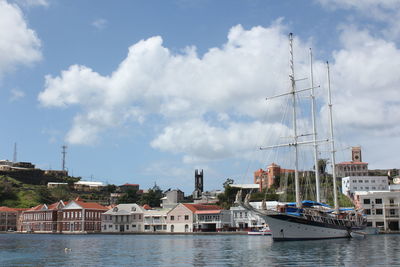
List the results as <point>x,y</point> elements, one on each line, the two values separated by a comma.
<point>355,167</point>
<point>351,184</point>
<point>267,178</point>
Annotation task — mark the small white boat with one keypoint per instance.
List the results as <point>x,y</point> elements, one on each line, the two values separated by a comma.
<point>263,231</point>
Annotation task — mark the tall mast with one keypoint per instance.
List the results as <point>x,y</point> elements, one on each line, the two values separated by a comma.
<point>64,152</point>
<point>313,107</point>
<point>333,161</point>
<point>295,138</point>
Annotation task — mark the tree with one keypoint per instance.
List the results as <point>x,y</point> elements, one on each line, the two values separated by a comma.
<point>152,197</point>
<point>227,199</point>
<point>130,196</point>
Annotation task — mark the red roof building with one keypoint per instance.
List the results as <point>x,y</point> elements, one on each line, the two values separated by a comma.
<point>80,216</point>
<point>41,218</point>
<point>8,219</point>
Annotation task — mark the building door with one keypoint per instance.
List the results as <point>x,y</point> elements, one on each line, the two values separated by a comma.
<point>172,228</point>
<point>394,226</point>
<point>121,227</point>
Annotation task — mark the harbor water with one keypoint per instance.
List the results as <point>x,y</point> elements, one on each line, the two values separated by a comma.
<point>194,250</point>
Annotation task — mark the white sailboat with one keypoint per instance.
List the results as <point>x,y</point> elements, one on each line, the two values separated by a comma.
<point>308,220</point>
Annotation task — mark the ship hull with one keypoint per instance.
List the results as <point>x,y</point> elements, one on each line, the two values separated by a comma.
<point>287,227</point>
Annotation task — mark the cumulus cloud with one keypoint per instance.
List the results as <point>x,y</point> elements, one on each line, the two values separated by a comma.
<point>365,72</point>
<point>19,44</point>
<point>213,106</point>
<point>224,85</point>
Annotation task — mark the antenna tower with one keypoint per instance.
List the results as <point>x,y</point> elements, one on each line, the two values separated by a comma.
<point>64,152</point>
<point>15,153</point>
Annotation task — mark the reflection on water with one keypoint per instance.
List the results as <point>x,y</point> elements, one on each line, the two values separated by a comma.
<point>187,250</point>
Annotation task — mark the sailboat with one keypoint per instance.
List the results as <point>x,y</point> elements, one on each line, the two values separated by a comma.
<point>308,220</point>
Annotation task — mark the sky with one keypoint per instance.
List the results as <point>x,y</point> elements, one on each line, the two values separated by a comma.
<point>148,91</point>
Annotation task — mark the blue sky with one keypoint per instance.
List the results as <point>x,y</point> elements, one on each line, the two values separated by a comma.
<point>148,91</point>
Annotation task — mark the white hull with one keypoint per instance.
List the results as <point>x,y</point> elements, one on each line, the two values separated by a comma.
<point>283,229</point>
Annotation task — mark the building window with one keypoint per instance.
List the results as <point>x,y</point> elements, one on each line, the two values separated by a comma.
<point>127,227</point>
<point>164,227</point>
<point>378,200</point>
<point>367,187</point>
<point>369,223</point>
<point>172,218</point>
<point>391,201</point>
<point>379,211</point>
<point>186,217</point>
<point>379,224</point>
<point>372,181</point>
<point>147,227</point>
<point>360,181</point>
<point>367,211</point>
<point>367,201</point>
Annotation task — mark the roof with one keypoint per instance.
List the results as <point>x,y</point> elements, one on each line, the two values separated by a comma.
<point>88,183</point>
<point>125,209</point>
<point>38,207</point>
<point>201,207</point>
<point>246,186</point>
<point>90,205</point>
<point>7,209</point>
<point>126,184</point>
<point>352,162</point>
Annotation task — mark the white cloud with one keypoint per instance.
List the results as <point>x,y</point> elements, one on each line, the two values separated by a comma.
<point>100,23</point>
<point>19,45</point>
<point>32,3</point>
<point>16,94</point>
<point>365,71</point>
<point>213,107</point>
<point>386,12</point>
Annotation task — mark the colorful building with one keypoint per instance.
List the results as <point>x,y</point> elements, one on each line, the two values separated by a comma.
<point>79,216</point>
<point>42,218</point>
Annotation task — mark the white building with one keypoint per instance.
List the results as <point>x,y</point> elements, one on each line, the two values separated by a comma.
<point>155,220</point>
<point>381,208</point>
<point>123,218</point>
<point>242,219</point>
<point>351,184</point>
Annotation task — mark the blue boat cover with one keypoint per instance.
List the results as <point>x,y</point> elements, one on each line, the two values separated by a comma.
<point>309,203</point>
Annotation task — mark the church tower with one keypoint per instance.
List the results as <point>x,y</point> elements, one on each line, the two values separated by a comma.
<point>198,184</point>
<point>356,154</point>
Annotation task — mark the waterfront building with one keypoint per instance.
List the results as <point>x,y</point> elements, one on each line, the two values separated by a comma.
<point>355,167</point>
<point>382,208</point>
<point>155,220</point>
<point>208,197</point>
<point>8,219</point>
<point>209,218</point>
<point>352,184</point>
<point>123,218</point>
<point>79,216</point>
<point>41,218</point>
<point>180,219</point>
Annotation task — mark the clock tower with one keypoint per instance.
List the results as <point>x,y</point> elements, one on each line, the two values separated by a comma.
<point>356,154</point>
